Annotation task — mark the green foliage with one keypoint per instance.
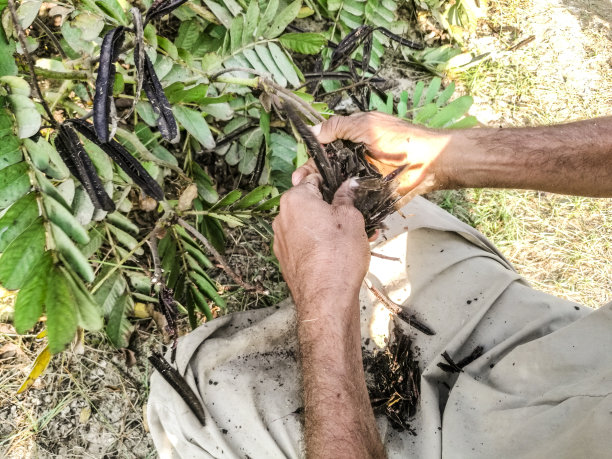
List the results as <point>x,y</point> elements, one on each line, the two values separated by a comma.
<point>428,106</point>
<point>80,266</point>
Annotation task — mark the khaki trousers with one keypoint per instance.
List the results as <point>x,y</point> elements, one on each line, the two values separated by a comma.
<point>541,389</point>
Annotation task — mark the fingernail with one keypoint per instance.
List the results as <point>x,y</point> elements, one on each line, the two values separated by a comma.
<point>316,129</point>
<point>353,183</point>
<point>296,178</point>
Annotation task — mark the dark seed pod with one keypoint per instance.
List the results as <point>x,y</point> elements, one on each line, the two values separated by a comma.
<point>375,195</point>
<point>367,53</point>
<point>124,159</point>
<point>349,44</point>
<point>402,41</point>
<point>105,81</point>
<point>77,160</point>
<point>155,93</point>
<point>162,7</point>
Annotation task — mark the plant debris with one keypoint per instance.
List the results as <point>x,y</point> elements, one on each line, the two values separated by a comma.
<point>394,381</point>
<point>375,195</point>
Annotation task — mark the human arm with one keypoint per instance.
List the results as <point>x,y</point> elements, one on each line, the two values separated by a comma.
<point>573,158</point>
<point>324,255</point>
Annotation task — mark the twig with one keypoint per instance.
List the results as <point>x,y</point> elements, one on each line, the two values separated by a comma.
<point>411,319</point>
<point>30,61</point>
<point>52,37</point>
<point>300,103</point>
<point>220,260</point>
<point>384,257</point>
<point>157,270</point>
<point>178,383</point>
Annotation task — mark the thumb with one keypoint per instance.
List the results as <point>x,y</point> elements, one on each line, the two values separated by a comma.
<point>337,127</point>
<point>345,195</point>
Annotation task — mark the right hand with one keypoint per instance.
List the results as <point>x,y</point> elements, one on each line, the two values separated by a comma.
<point>392,142</point>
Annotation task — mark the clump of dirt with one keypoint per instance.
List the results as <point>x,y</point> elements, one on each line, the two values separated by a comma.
<point>394,381</point>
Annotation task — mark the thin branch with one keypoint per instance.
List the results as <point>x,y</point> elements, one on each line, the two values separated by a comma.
<point>396,309</point>
<point>220,259</point>
<point>384,257</point>
<point>55,75</point>
<point>51,37</point>
<point>298,101</point>
<point>30,61</point>
<point>157,270</point>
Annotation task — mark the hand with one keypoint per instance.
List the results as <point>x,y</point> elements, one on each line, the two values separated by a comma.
<point>320,247</point>
<point>393,143</point>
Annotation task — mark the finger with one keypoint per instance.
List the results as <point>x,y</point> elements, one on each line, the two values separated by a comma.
<point>345,195</point>
<point>301,172</point>
<point>374,236</point>
<point>312,184</point>
<point>337,127</point>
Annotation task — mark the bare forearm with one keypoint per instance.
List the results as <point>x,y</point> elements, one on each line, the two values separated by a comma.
<point>339,419</point>
<point>573,158</point>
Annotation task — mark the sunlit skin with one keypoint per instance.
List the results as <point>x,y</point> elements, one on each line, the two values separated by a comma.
<point>324,254</point>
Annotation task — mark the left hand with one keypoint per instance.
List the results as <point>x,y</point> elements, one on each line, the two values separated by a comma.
<point>320,247</point>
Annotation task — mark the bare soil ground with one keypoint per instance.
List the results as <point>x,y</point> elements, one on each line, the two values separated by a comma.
<point>90,404</point>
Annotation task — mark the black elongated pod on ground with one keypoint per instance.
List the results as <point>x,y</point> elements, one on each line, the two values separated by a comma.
<point>160,8</point>
<point>124,159</point>
<point>103,98</point>
<point>77,160</point>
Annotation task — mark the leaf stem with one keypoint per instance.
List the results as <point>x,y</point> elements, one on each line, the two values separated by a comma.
<point>29,60</point>
<point>220,259</point>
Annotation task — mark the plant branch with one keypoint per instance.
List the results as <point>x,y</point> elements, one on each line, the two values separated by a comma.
<point>51,37</point>
<point>223,264</point>
<point>30,61</point>
<point>55,75</point>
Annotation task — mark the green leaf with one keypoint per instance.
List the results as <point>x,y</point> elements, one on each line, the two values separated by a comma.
<point>200,302</point>
<point>188,34</point>
<point>464,123</point>
<point>7,62</point>
<point>251,19</point>
<point>269,204</point>
<point>425,113</point>
<point>108,294</point>
<point>114,10</point>
<point>283,19</point>
<point>88,312</point>
<point>17,218</point>
<point>418,92</point>
<point>10,153</point>
<point>195,124</point>
<point>452,112</point>
<point>61,312</point>
<point>228,199</point>
<point>31,297</point>
<point>73,255</point>
<point>89,24</point>
<point>266,18</point>
<point>14,183</point>
<point>118,327</point>
<point>205,185</point>
<point>22,256</point>
<point>255,196</point>
<point>284,64</point>
<point>208,289</point>
<point>28,118</point>
<point>27,12</point>
<point>305,43</point>
<point>446,94</point>
<point>125,239</point>
<point>59,215</point>
<point>432,90</point>
<point>402,105</point>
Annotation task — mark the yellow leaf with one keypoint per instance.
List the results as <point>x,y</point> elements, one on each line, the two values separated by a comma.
<point>40,365</point>
<point>42,334</point>
<point>141,311</point>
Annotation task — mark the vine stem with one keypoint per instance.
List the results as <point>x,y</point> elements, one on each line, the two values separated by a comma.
<point>30,61</point>
<point>223,264</point>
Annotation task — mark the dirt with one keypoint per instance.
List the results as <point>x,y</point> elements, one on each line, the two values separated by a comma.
<point>393,378</point>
